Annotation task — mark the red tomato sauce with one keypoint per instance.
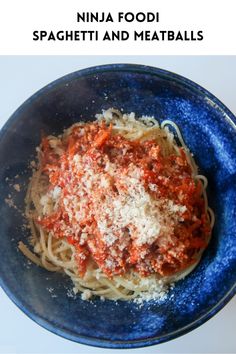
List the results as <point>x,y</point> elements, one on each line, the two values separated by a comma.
<point>163,177</point>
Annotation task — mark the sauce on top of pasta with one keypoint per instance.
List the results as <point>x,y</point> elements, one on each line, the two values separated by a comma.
<point>123,203</point>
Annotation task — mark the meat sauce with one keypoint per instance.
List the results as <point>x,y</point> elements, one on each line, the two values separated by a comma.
<point>164,178</point>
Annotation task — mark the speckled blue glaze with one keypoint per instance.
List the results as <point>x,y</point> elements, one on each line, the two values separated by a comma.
<point>209,130</point>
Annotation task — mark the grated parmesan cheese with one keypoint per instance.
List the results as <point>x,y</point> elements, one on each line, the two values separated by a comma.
<point>16,187</point>
<point>131,212</point>
<point>86,294</point>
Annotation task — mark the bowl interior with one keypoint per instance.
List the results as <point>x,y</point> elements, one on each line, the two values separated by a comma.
<point>210,134</point>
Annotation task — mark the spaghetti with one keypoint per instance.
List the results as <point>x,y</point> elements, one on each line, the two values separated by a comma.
<point>118,206</point>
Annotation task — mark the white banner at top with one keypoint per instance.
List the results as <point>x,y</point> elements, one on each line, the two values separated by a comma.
<point>120,27</point>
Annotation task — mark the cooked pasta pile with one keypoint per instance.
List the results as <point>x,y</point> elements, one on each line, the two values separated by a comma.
<point>118,205</point>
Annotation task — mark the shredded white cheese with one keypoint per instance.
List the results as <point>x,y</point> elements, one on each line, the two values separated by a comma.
<point>130,212</point>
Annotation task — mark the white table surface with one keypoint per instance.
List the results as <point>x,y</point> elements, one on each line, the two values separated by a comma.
<point>20,77</point>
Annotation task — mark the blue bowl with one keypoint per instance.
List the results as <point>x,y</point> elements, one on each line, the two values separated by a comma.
<point>209,130</point>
